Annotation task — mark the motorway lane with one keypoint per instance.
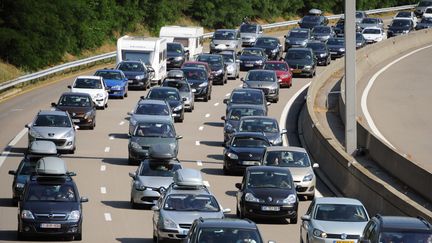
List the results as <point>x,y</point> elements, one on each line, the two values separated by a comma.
<point>399,102</point>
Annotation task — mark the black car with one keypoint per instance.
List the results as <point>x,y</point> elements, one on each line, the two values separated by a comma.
<point>396,229</point>
<point>244,149</point>
<point>217,65</point>
<point>271,46</point>
<point>339,28</point>
<point>50,206</point>
<point>310,21</point>
<point>336,47</point>
<point>176,55</point>
<point>360,40</point>
<point>302,61</point>
<point>322,33</point>
<point>252,58</point>
<point>297,37</point>
<point>199,80</point>
<point>425,23</point>
<point>237,111</point>
<point>267,192</point>
<point>80,107</point>
<point>172,96</point>
<point>246,96</point>
<point>206,230</point>
<point>268,126</point>
<point>400,27</point>
<point>138,75</point>
<point>321,52</point>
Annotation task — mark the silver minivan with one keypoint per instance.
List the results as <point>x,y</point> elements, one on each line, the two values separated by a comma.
<point>225,39</point>
<point>249,33</point>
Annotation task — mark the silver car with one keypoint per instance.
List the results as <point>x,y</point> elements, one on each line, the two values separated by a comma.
<point>265,80</point>
<point>297,161</point>
<point>333,219</point>
<point>147,108</point>
<point>55,126</point>
<point>185,90</point>
<point>371,22</point>
<point>232,63</point>
<point>249,33</point>
<point>225,39</point>
<point>185,200</point>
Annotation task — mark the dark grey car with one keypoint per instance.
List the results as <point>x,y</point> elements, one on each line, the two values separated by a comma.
<point>137,73</point>
<point>265,80</point>
<point>322,33</point>
<point>302,61</point>
<point>297,37</point>
<point>264,124</point>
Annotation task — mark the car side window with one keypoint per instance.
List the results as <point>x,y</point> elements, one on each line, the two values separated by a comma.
<point>367,230</point>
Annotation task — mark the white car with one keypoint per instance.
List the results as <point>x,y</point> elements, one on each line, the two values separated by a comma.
<point>94,86</point>
<point>427,13</point>
<point>408,15</point>
<point>373,34</point>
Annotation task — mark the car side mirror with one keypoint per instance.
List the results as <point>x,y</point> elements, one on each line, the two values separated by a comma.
<point>69,87</point>
<point>27,126</point>
<point>242,79</point>
<point>225,101</point>
<point>155,208</point>
<point>223,118</point>
<point>12,172</point>
<point>284,131</point>
<point>53,104</point>
<point>388,25</point>
<point>84,199</point>
<point>76,127</point>
<point>130,113</point>
<point>306,218</point>
<point>238,185</point>
<point>315,165</point>
<point>71,173</point>
<point>132,174</point>
<point>179,137</point>
<point>150,69</point>
<point>226,210</point>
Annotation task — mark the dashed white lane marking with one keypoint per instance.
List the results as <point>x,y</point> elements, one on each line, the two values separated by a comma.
<point>107,217</point>
<point>103,168</point>
<point>228,94</point>
<point>199,162</point>
<point>206,183</point>
<point>197,143</point>
<point>103,190</point>
<point>121,123</point>
<point>107,149</point>
<point>216,104</point>
<point>201,128</point>
<point>3,157</point>
<point>18,109</point>
<point>14,141</point>
<point>207,115</point>
<point>241,85</point>
<point>111,137</point>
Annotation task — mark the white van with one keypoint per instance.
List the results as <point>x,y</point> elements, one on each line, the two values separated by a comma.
<point>150,50</point>
<point>190,36</point>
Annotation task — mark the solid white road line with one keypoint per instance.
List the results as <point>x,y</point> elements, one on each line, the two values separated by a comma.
<point>107,149</point>
<point>197,143</point>
<point>107,217</point>
<point>283,117</point>
<point>103,190</point>
<point>18,137</point>
<point>201,128</point>
<point>103,168</point>
<point>121,123</point>
<point>216,104</point>
<point>199,163</point>
<point>365,94</point>
<point>207,115</point>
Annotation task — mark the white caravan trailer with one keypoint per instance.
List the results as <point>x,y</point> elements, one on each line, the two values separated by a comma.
<point>152,51</point>
<point>190,36</point>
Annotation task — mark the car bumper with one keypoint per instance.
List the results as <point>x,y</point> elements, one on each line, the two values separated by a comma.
<point>248,42</point>
<point>173,234</point>
<point>322,60</point>
<point>303,71</point>
<point>288,46</point>
<point>117,93</point>
<point>133,83</point>
<point>218,78</point>
<point>200,92</point>
<point>335,54</point>
<point>145,197</point>
<point>138,155</point>
<point>34,228</point>
<point>64,144</point>
<point>174,64</point>
<point>244,66</point>
<point>285,81</point>
<point>255,210</point>
<point>100,102</point>
<point>331,240</point>
<point>239,165</point>
<point>83,122</point>
<point>306,188</point>
<point>177,114</point>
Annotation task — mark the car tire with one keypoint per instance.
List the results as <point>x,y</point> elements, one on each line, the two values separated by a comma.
<point>131,161</point>
<point>106,105</point>
<point>78,237</point>
<point>293,220</point>
<point>225,170</point>
<point>133,205</point>
<point>275,100</point>
<point>126,94</point>
<point>237,212</point>
<point>310,197</point>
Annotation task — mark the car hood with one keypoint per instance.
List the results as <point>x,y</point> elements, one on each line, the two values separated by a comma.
<point>397,29</point>
<point>131,74</point>
<point>185,94</point>
<point>173,54</point>
<point>281,73</point>
<point>50,207</point>
<point>22,178</point>
<point>294,62</point>
<point>368,25</point>
<point>216,67</point>
<point>308,25</point>
<point>155,181</point>
<point>334,227</point>
<point>250,58</point>
<point>147,141</point>
<point>244,34</point>
<point>335,47</point>
<point>267,48</point>
<point>187,217</point>
<point>233,123</point>
<point>296,40</point>
<point>371,36</point>
<point>113,82</point>
<point>139,117</point>
<point>274,193</point>
<point>174,103</point>
<point>74,109</point>
<point>317,52</point>
<point>55,132</point>
<point>224,42</point>
<point>256,153</point>
<point>299,172</point>
<point>91,92</point>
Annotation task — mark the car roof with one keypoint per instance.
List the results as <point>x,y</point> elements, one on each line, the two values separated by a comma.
<point>110,70</point>
<point>402,222</point>
<point>52,112</point>
<point>210,55</point>
<point>300,30</point>
<point>194,62</point>
<point>299,49</point>
<point>253,48</point>
<point>337,200</point>
<point>51,166</point>
<point>232,30</point>
<point>193,68</point>
<point>227,223</point>
<point>152,101</point>
<point>261,71</point>
<point>246,90</point>
<point>276,62</point>
<point>375,28</point>
<point>267,169</point>
<point>88,77</point>
<point>131,61</point>
<point>286,148</point>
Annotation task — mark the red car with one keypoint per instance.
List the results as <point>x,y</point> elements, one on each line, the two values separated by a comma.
<point>199,65</point>
<point>283,72</point>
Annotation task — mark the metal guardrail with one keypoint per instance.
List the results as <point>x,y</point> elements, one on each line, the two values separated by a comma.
<point>70,65</point>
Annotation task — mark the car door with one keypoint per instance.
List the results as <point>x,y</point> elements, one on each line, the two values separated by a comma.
<point>240,192</point>
<point>306,228</point>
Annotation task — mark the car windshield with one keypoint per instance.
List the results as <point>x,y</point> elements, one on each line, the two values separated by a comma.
<point>162,94</point>
<point>249,142</point>
<point>224,35</point>
<point>241,97</point>
<point>414,237</point>
<point>359,15</point>
<point>298,55</point>
<point>276,66</point>
<point>252,52</point>
<point>51,192</point>
<point>181,86</point>
<point>225,234</point>
<point>401,23</point>
<point>248,28</point>
<point>259,125</point>
<point>425,3</point>
<point>317,46</point>
<point>261,76</point>
<point>403,15</point>
<point>131,67</point>
<point>212,60</point>
<point>311,19</point>
<point>152,109</point>
<point>52,121</point>
<point>28,167</point>
<point>359,36</point>
<point>75,101</point>
<point>426,20</point>
<point>189,202</point>
<point>88,83</point>
<point>159,169</point>
<point>336,42</point>
<point>195,74</point>
<point>228,57</point>
<point>237,113</point>
<point>340,212</point>
<point>286,159</point>
<point>369,21</point>
<point>161,130</point>
<point>372,31</point>
<point>174,47</point>
<point>267,42</point>
<point>268,179</point>
<point>195,65</point>
<point>321,30</point>
<point>298,34</point>
<point>109,75</point>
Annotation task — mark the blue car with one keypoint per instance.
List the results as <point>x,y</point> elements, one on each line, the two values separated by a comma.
<point>116,81</point>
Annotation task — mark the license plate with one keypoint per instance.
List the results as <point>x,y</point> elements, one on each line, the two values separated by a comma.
<point>130,81</point>
<point>333,53</point>
<point>184,232</point>
<point>270,208</point>
<point>249,162</point>
<point>50,226</point>
<point>248,65</point>
<point>297,71</point>
<point>343,241</point>
<point>75,120</point>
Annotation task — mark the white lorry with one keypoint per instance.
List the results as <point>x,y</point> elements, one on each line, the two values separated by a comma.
<point>190,36</point>
<point>150,50</point>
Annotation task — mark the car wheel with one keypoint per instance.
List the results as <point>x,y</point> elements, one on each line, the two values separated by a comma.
<point>237,212</point>
<point>131,161</point>
<point>225,170</point>
<point>72,151</point>
<point>78,237</point>
<point>133,204</point>
<point>126,94</point>
<point>144,87</point>
<point>293,220</point>
<point>275,100</point>
<point>106,105</point>
<point>310,197</point>
<point>242,214</point>
<point>225,81</point>
<point>92,126</point>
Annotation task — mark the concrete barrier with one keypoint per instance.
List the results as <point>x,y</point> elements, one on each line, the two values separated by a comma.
<point>350,176</point>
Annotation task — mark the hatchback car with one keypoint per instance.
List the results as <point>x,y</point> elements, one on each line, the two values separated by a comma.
<point>172,97</point>
<point>137,73</point>
<point>360,15</point>
<point>198,80</point>
<point>265,80</point>
<point>249,33</point>
<point>225,39</point>
<point>242,150</point>
<point>80,107</point>
<point>202,65</point>
<point>297,161</point>
<point>267,192</point>
<point>302,61</point>
<point>371,22</point>
<point>272,47</point>
<point>332,219</point>
<point>297,37</point>
<point>146,109</point>
<point>54,126</point>
<point>246,96</point>
<point>176,55</point>
<point>283,72</point>
<point>311,21</point>
<point>321,52</point>
<point>232,63</point>
<point>268,126</point>
<point>400,27</point>
<point>252,58</point>
<point>94,86</point>
<point>336,47</point>
<point>322,33</point>
<point>425,23</point>
<point>186,92</point>
<point>116,82</point>
<point>373,34</point>
<point>217,65</point>
<point>148,132</point>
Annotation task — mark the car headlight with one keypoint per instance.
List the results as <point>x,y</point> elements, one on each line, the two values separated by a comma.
<point>116,87</point>
<point>74,215</point>
<point>285,76</point>
<point>19,185</point>
<point>229,127</point>
<point>135,145</point>
<point>249,197</point>
<point>303,43</point>
<point>323,54</point>
<point>308,67</point>
<point>218,72</point>
<point>139,77</point>
<point>179,58</point>
<point>319,233</point>
<point>178,108</point>
<point>274,50</point>
<point>342,49</point>
<point>245,85</point>
<point>272,90</point>
<point>87,114</point>
<point>259,62</point>
<point>291,199</point>
<point>133,122</point>
<point>35,134</point>
<point>169,224</point>
<point>99,95</point>
<point>69,134</point>
<point>308,177</point>
<point>139,186</point>
<point>405,31</point>
<point>26,214</point>
<point>203,85</point>
<point>232,155</point>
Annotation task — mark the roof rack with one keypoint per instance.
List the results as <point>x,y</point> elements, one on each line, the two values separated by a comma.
<point>188,178</point>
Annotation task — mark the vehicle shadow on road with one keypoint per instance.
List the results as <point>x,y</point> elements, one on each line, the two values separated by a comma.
<point>231,193</point>
<point>118,204</point>
<point>8,235</point>
<point>214,124</point>
<point>6,202</point>
<point>212,171</point>
<point>18,150</point>
<point>119,135</point>
<point>133,240</point>
<point>212,143</point>
<point>216,156</point>
<point>116,161</point>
